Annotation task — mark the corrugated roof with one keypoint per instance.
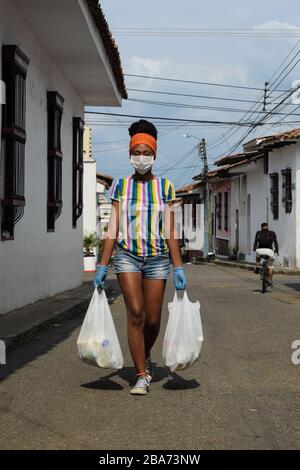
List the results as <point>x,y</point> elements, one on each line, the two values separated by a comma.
<point>223,170</point>
<point>109,44</point>
<point>235,157</point>
<point>276,140</point>
<point>104,179</point>
<point>256,148</point>
<point>188,188</point>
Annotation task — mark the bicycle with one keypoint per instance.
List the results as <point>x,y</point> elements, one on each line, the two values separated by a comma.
<point>264,255</point>
<point>264,273</point>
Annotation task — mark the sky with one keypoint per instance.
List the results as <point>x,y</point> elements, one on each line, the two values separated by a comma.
<point>240,58</point>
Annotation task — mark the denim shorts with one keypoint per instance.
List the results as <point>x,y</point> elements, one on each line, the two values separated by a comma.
<point>151,267</point>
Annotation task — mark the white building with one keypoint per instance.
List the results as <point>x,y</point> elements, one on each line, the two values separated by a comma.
<point>56,57</point>
<point>104,182</point>
<point>89,194</point>
<point>189,219</point>
<point>263,183</point>
<point>96,209</point>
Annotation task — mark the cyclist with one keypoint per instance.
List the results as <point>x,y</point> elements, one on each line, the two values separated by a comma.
<point>266,238</point>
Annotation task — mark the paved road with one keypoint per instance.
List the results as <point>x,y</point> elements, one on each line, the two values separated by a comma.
<point>242,394</point>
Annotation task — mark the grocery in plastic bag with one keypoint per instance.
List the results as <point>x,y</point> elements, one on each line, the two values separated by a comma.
<point>184,335</point>
<point>98,343</point>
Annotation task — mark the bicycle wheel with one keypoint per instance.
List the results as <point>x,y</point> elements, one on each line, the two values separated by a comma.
<point>264,280</point>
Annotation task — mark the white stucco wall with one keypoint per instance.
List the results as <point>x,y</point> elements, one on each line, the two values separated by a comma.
<point>238,201</point>
<point>38,264</point>
<point>297,210</point>
<point>195,236</point>
<point>287,226</point>
<point>89,198</point>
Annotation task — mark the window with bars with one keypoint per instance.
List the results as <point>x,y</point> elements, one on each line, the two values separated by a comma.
<point>274,195</point>
<point>287,189</point>
<point>54,194</point>
<point>226,211</point>
<point>219,211</point>
<point>13,135</point>
<point>266,162</point>
<point>78,128</point>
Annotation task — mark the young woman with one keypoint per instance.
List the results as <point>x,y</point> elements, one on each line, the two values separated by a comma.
<point>142,222</point>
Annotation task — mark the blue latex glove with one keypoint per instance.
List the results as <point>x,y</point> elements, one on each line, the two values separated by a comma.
<point>179,278</point>
<point>100,276</point>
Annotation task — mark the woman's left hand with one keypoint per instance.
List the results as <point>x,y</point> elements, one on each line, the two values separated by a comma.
<point>179,278</point>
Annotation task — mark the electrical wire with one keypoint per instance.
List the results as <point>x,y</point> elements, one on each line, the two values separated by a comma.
<point>187,95</point>
<point>223,85</point>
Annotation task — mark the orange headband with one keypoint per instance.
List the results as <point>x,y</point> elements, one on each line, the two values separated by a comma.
<point>143,138</point>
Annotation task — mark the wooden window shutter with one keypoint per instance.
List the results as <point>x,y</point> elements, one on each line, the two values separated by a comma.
<point>274,195</point>
<point>13,135</point>
<point>78,127</point>
<point>54,158</point>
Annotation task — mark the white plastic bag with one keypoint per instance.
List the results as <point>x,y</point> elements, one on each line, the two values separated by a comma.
<point>184,336</point>
<point>97,342</point>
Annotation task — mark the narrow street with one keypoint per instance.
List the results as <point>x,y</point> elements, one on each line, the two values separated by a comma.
<point>243,393</point>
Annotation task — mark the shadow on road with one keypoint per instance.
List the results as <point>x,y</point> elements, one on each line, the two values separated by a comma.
<point>293,286</point>
<point>127,374</point>
<point>42,342</point>
<point>49,337</point>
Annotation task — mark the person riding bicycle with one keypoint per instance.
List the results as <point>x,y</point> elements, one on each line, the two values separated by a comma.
<point>266,238</point>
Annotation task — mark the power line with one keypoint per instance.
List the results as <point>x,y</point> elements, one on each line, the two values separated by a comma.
<point>257,123</point>
<point>186,95</point>
<point>272,82</point>
<point>284,60</point>
<point>177,159</point>
<point>209,32</point>
<point>195,82</point>
<point>191,106</point>
<point>169,119</point>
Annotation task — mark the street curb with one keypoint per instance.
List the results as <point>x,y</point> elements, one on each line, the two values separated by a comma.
<point>20,339</point>
<point>28,333</point>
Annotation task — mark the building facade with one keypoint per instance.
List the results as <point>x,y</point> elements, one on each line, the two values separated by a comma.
<point>47,85</point>
<point>263,185</point>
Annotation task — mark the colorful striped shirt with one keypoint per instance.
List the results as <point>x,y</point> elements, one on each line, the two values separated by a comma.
<point>141,213</point>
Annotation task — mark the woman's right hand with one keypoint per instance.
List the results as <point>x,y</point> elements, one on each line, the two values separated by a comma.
<point>179,278</point>
<point>100,276</point>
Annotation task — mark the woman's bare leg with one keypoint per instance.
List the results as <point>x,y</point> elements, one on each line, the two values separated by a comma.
<point>132,290</point>
<point>153,290</point>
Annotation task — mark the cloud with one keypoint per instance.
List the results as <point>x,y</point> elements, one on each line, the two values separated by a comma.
<point>142,66</point>
<point>222,73</point>
<point>274,24</point>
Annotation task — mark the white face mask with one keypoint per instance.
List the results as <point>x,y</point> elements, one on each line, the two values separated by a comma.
<point>142,163</point>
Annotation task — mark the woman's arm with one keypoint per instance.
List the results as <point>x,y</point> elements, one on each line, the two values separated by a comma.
<point>171,234</point>
<point>111,234</point>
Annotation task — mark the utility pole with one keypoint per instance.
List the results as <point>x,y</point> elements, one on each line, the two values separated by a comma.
<point>207,211</point>
<point>265,96</point>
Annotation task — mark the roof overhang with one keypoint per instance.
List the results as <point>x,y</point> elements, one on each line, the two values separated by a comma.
<point>104,179</point>
<point>66,29</point>
<point>246,167</point>
<point>188,193</point>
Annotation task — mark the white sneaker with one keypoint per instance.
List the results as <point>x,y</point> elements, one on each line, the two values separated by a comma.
<point>142,386</point>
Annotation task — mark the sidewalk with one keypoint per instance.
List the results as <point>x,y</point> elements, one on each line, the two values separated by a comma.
<point>19,326</point>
